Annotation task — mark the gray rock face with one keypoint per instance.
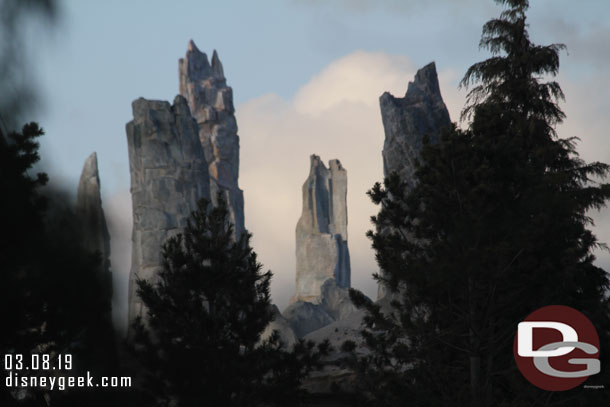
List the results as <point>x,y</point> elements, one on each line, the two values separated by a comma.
<point>333,304</point>
<point>335,300</point>
<point>406,121</point>
<point>211,102</point>
<point>305,317</point>
<point>169,174</point>
<point>340,329</point>
<point>321,233</point>
<point>91,215</point>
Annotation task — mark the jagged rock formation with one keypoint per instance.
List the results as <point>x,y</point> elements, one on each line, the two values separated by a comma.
<point>323,267</point>
<point>406,121</point>
<point>211,101</point>
<point>94,237</point>
<point>335,300</point>
<point>321,233</point>
<point>333,304</point>
<point>169,174</point>
<point>305,317</point>
<point>93,222</point>
<point>90,212</point>
<point>339,331</point>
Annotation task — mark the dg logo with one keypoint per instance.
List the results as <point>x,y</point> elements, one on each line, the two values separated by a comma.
<point>556,348</point>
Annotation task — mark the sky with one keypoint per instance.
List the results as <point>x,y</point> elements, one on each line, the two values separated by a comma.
<point>306,78</point>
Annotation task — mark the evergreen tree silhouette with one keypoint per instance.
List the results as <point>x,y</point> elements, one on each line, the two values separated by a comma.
<point>200,340</point>
<point>495,228</point>
<point>51,301</point>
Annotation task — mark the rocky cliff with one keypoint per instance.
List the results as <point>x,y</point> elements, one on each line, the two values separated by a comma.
<point>406,121</point>
<point>322,254</point>
<point>169,174</point>
<point>321,232</point>
<point>204,86</point>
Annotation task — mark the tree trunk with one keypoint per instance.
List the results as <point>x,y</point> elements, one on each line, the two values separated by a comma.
<point>475,347</point>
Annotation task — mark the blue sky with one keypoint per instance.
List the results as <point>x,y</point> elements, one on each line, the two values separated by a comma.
<point>105,54</point>
<point>306,75</point>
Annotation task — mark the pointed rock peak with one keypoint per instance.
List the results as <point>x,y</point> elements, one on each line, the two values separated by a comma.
<point>88,193</point>
<point>90,167</point>
<point>427,73</point>
<point>217,65</point>
<point>196,62</point>
<point>192,47</point>
<point>426,81</point>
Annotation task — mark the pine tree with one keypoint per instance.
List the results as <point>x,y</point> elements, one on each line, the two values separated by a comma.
<point>495,228</point>
<point>50,300</point>
<point>200,342</point>
<point>21,217</point>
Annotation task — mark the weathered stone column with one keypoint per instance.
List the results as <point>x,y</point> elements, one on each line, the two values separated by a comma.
<point>169,174</point>
<point>93,223</point>
<point>406,121</point>
<point>211,101</point>
<point>321,233</point>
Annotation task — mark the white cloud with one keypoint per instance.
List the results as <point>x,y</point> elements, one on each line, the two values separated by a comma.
<point>359,77</point>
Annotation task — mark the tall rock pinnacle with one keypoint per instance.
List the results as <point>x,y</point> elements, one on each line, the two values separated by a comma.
<point>323,266</point>
<point>211,102</point>
<point>406,121</point>
<point>321,233</point>
<point>169,174</point>
<point>93,222</point>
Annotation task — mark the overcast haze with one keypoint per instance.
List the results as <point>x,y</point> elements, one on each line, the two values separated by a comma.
<point>306,78</point>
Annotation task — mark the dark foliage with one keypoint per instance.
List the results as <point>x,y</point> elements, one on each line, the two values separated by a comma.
<point>200,342</point>
<point>495,228</point>
<point>50,298</point>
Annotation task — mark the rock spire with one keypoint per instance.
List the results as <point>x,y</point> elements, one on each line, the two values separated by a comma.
<point>211,102</point>
<point>169,174</point>
<point>93,222</point>
<point>321,232</point>
<point>406,121</point>
<point>323,265</point>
